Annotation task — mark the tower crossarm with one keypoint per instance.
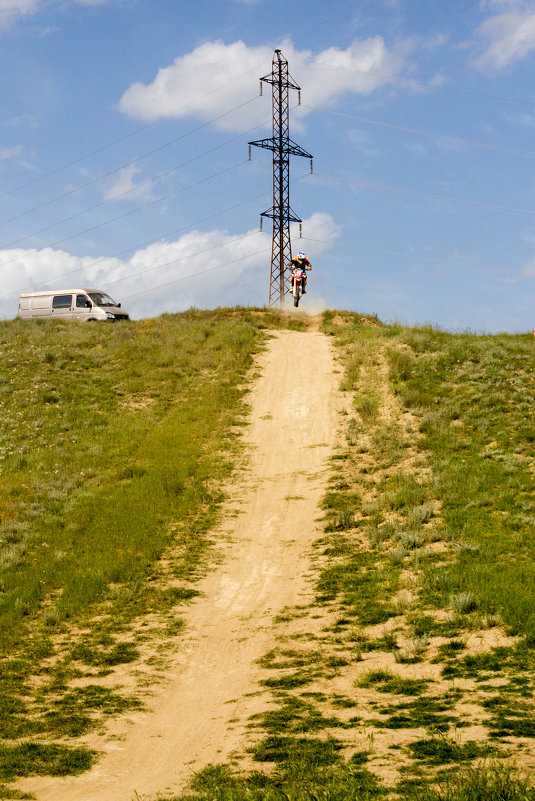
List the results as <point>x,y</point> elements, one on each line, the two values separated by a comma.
<point>288,147</point>
<point>296,150</point>
<point>274,214</point>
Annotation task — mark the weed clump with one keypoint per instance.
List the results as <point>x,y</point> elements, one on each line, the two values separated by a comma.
<point>35,759</point>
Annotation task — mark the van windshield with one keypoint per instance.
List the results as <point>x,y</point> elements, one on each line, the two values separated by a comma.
<point>100,299</point>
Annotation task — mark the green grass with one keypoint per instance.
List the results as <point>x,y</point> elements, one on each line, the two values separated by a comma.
<point>481,783</point>
<point>474,397</point>
<point>36,759</point>
<point>385,681</point>
<point>310,782</point>
<point>440,750</point>
<point>405,513</point>
<point>428,539</point>
<point>114,445</point>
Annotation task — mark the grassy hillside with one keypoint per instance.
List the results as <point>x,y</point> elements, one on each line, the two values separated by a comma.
<point>113,446</point>
<point>418,683</point>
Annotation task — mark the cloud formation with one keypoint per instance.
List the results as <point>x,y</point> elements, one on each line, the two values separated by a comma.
<point>203,269</point>
<point>10,10</point>
<point>216,77</point>
<point>529,269</point>
<point>506,38</point>
<point>7,153</point>
<point>124,186</point>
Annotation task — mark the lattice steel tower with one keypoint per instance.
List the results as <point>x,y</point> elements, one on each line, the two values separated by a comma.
<point>283,147</point>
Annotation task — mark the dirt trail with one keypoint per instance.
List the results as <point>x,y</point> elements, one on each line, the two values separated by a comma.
<point>198,715</point>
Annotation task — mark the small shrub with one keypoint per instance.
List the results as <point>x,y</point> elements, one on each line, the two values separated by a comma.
<point>367,406</point>
<point>463,602</point>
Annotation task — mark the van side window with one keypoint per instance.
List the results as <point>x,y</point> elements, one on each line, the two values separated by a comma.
<point>61,301</point>
<point>82,302</point>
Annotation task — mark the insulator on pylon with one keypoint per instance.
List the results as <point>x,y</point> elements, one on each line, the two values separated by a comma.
<point>261,87</point>
<point>311,164</point>
<point>250,153</point>
<point>299,97</point>
<point>300,230</point>
<point>261,221</point>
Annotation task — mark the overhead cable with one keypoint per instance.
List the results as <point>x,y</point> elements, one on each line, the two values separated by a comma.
<point>175,112</point>
<point>194,275</point>
<point>431,134</point>
<point>128,164</point>
<point>419,193</point>
<point>147,242</point>
<point>452,262</point>
<point>414,83</point>
<point>131,211</point>
<point>136,188</point>
<point>182,258</point>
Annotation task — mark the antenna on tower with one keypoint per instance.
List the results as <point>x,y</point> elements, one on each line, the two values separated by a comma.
<point>283,147</point>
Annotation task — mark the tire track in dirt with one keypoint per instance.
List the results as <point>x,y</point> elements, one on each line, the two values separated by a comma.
<point>199,715</point>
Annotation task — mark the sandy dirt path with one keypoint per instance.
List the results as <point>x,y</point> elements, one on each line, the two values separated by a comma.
<point>197,716</point>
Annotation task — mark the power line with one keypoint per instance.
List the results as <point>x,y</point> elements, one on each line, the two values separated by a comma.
<point>131,211</point>
<point>192,275</point>
<point>104,259</point>
<point>129,191</point>
<point>376,251</point>
<point>419,193</point>
<point>125,137</point>
<point>182,258</point>
<point>144,243</point>
<point>432,135</point>
<point>128,164</point>
<point>412,83</point>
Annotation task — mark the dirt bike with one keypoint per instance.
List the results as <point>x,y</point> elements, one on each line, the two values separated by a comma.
<point>298,277</point>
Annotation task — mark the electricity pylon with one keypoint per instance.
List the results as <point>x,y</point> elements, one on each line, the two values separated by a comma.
<point>283,147</point>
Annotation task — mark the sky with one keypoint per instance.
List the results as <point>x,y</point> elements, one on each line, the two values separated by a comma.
<point>124,163</point>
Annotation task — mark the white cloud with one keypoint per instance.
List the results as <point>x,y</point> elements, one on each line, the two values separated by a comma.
<point>216,77</point>
<point>507,37</point>
<point>319,231</point>
<point>529,268</point>
<point>10,10</point>
<point>525,119</point>
<point>124,186</point>
<point>204,269</point>
<point>7,153</point>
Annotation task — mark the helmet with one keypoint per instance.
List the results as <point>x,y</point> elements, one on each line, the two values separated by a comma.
<point>301,255</point>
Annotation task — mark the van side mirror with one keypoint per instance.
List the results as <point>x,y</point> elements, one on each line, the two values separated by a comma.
<point>118,305</point>
<point>88,304</point>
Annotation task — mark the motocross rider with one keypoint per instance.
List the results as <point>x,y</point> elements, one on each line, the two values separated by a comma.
<point>302,263</point>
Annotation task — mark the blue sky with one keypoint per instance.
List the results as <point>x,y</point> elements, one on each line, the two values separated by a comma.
<point>124,162</point>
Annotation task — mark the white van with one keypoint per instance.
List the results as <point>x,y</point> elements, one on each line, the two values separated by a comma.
<point>70,304</point>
